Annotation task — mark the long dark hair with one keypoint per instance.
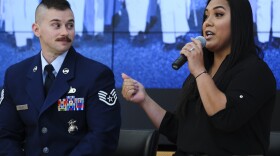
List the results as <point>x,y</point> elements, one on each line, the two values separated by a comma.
<point>242,45</point>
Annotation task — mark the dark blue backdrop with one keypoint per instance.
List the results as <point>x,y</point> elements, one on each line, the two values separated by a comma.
<point>147,62</point>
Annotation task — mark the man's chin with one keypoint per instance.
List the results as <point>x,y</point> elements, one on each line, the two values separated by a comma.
<point>61,50</point>
<point>65,47</point>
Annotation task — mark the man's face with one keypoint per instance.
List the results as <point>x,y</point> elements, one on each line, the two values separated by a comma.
<point>55,29</point>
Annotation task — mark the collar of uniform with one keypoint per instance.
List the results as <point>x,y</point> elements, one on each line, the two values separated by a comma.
<point>56,63</point>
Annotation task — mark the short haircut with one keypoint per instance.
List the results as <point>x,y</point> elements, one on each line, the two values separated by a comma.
<point>56,4</point>
<point>51,4</point>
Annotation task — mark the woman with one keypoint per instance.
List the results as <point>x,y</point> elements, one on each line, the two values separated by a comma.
<point>229,96</point>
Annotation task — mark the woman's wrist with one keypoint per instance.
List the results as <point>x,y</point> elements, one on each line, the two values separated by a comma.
<point>201,73</point>
<point>144,101</point>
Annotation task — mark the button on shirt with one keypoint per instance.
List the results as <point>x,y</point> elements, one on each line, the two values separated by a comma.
<point>44,130</point>
<point>57,65</point>
<point>45,150</point>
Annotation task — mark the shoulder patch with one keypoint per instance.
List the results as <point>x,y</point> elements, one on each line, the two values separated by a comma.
<point>2,96</point>
<point>108,98</point>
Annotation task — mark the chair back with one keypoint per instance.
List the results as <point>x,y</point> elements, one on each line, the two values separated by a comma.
<point>137,143</point>
<point>274,147</point>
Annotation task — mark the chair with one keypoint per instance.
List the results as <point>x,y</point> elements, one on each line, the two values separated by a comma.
<point>274,147</point>
<point>137,143</point>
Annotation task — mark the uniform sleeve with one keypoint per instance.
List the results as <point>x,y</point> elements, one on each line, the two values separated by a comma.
<point>169,127</point>
<point>103,119</point>
<point>11,127</point>
<point>252,91</point>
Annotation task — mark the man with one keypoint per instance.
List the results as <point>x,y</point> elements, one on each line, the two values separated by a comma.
<point>78,115</point>
<point>268,20</point>
<point>94,19</point>
<point>113,12</point>
<point>174,24</point>
<point>1,13</point>
<point>137,11</point>
<point>18,19</point>
<point>78,8</point>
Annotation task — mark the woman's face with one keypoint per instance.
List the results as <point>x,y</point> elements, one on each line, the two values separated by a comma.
<point>217,26</point>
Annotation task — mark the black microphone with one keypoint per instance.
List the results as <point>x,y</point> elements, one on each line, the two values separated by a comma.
<point>182,59</point>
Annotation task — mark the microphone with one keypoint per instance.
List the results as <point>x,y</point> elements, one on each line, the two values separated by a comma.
<point>182,59</point>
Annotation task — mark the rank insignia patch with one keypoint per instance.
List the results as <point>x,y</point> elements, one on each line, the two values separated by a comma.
<point>108,98</point>
<point>2,96</point>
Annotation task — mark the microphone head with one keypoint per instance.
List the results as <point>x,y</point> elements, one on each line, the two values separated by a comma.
<point>182,59</point>
<point>202,40</point>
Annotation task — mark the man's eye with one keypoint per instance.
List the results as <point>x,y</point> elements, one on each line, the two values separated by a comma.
<point>56,25</point>
<point>69,26</point>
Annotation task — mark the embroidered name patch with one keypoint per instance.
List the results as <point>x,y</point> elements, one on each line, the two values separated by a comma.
<point>108,98</point>
<point>22,107</point>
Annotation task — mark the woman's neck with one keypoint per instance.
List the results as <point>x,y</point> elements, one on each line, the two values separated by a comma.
<point>218,59</point>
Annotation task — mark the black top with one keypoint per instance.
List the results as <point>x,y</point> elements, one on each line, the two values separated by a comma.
<point>243,127</point>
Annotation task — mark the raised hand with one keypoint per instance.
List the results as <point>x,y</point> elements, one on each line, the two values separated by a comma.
<point>133,90</point>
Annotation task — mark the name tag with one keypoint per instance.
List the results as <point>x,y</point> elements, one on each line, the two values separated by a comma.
<point>22,107</point>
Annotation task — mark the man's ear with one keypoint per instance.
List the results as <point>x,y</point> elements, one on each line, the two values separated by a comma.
<point>36,29</point>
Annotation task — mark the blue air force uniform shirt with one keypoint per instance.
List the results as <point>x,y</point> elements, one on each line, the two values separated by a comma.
<point>79,116</point>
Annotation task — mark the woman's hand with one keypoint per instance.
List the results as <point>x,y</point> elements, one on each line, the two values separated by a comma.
<point>133,90</point>
<point>193,51</point>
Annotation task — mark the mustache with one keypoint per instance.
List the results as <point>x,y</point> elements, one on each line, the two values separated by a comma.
<point>67,39</point>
